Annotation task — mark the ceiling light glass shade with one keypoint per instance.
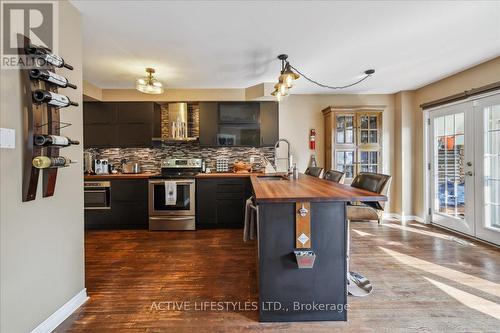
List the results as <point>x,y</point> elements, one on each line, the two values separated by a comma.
<point>281,88</point>
<point>288,76</point>
<point>277,93</point>
<point>149,84</point>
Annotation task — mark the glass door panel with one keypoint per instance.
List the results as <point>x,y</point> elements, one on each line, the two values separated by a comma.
<point>368,161</point>
<point>487,111</point>
<point>344,162</point>
<point>452,187</point>
<point>369,129</point>
<point>344,129</point>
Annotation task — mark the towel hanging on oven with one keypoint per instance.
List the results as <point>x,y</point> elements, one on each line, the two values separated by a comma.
<point>170,193</point>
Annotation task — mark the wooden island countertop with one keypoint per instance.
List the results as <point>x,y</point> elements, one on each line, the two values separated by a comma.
<point>307,188</point>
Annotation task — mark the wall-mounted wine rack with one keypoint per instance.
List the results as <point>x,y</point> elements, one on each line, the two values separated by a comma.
<point>40,118</point>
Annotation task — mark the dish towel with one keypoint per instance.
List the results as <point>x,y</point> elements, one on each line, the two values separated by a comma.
<point>170,193</point>
<point>250,226</point>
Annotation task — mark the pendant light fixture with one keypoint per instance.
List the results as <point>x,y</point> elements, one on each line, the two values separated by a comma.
<point>149,84</point>
<point>289,74</point>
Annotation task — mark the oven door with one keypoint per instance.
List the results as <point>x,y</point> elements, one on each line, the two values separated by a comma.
<point>184,204</point>
<point>97,195</point>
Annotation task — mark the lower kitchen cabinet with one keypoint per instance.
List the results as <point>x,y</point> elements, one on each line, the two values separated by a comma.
<point>220,202</point>
<point>128,207</point>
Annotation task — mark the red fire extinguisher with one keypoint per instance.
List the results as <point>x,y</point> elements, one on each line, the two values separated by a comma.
<point>312,139</point>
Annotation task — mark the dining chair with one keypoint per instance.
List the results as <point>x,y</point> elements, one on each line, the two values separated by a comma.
<point>314,171</point>
<point>334,176</point>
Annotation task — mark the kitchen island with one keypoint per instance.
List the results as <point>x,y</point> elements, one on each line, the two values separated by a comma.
<point>307,214</point>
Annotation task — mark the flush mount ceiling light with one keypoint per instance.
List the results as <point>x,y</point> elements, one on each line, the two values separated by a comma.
<point>149,84</point>
<point>289,74</point>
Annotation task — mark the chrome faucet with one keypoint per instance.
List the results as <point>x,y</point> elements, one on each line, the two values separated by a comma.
<point>288,158</point>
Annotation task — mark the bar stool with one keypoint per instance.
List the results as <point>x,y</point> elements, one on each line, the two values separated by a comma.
<point>334,176</point>
<point>314,171</point>
<point>357,284</point>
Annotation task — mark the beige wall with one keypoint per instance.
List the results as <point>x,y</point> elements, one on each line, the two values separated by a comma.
<point>42,263</point>
<point>402,194</point>
<point>481,75</point>
<point>299,113</point>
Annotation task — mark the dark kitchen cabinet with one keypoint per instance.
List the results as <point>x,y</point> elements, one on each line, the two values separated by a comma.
<point>133,135</point>
<point>208,123</point>
<point>129,207</point>
<point>99,113</point>
<point>269,123</point>
<point>118,124</point>
<point>220,202</point>
<point>135,112</point>
<point>238,124</point>
<point>206,202</point>
<point>99,136</point>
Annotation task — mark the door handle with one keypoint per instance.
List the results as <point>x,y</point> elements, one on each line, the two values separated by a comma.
<point>469,163</point>
<point>469,173</point>
<point>171,218</point>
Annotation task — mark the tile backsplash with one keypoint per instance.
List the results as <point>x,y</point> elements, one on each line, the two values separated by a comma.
<point>150,158</point>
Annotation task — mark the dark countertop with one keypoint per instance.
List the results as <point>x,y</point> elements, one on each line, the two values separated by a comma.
<point>308,188</point>
<point>143,175</point>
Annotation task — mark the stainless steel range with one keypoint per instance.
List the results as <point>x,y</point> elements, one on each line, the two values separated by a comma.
<point>172,195</point>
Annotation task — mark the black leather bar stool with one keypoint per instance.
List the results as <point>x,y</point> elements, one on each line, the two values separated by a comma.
<point>357,284</point>
<point>334,176</point>
<point>314,171</point>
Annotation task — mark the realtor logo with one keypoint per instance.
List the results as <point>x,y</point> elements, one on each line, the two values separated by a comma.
<point>33,19</point>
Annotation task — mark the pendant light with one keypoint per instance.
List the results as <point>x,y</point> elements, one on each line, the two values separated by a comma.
<point>149,84</point>
<point>289,74</point>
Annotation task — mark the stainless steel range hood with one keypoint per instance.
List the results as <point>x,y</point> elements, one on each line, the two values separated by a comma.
<point>177,121</point>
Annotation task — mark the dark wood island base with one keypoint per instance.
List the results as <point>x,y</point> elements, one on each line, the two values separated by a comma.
<point>286,292</point>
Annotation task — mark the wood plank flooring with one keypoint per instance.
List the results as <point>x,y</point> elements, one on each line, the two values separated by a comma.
<point>425,280</point>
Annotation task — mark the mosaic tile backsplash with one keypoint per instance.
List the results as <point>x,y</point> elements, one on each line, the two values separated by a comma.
<point>150,158</point>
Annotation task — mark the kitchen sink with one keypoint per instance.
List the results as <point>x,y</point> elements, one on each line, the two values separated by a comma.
<point>271,177</point>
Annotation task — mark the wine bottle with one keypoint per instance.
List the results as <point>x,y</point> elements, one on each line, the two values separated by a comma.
<point>48,56</point>
<point>50,77</point>
<point>53,140</point>
<point>52,98</point>
<point>43,162</point>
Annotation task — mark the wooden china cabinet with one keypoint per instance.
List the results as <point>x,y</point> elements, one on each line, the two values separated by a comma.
<point>353,139</point>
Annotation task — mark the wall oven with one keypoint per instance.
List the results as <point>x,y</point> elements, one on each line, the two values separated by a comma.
<point>172,216</point>
<point>97,195</point>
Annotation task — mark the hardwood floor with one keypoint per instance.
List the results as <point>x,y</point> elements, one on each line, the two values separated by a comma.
<point>425,279</point>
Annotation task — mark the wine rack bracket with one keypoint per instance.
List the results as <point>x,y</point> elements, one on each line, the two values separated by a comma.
<point>39,118</point>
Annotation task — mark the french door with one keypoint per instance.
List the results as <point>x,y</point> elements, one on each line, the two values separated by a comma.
<point>488,169</point>
<point>464,155</point>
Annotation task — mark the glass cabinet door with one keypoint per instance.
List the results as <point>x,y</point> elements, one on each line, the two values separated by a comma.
<point>369,129</point>
<point>368,161</point>
<point>344,129</point>
<point>344,162</point>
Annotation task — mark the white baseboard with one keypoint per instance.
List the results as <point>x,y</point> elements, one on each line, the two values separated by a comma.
<point>55,319</point>
<point>403,218</point>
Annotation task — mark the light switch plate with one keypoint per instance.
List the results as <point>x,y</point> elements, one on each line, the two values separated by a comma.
<point>7,138</point>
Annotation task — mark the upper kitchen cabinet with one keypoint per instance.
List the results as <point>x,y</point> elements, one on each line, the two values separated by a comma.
<point>238,123</point>
<point>208,123</point>
<point>269,123</point>
<point>118,124</point>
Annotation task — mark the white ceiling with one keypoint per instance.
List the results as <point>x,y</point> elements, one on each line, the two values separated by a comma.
<point>233,44</point>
